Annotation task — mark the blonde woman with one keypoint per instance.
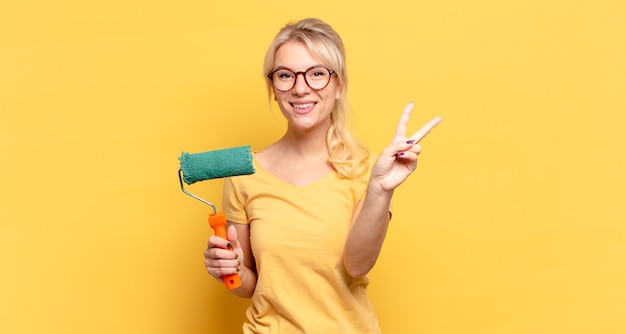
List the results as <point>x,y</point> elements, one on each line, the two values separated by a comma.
<point>308,226</point>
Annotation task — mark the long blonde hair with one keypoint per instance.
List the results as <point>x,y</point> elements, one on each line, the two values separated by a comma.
<point>348,157</point>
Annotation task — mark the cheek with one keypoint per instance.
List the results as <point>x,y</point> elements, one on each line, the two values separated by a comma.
<point>274,93</point>
<point>280,97</point>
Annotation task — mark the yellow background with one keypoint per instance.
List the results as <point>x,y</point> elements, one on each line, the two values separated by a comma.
<point>513,223</point>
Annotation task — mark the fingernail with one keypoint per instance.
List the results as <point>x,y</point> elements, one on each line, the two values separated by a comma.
<point>236,256</point>
<point>411,142</point>
<point>399,154</point>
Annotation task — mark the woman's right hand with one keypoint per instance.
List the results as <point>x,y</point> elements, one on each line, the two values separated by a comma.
<point>224,257</point>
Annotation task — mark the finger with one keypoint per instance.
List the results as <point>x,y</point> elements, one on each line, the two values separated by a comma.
<point>231,234</point>
<point>217,273</point>
<point>407,156</point>
<point>220,254</point>
<point>215,241</point>
<point>222,267</point>
<point>421,133</point>
<point>221,263</point>
<point>404,120</point>
<point>416,148</point>
<point>214,255</point>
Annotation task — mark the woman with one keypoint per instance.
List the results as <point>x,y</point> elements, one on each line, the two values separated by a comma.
<point>308,226</point>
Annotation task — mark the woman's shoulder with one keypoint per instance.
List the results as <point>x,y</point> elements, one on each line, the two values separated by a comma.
<point>266,156</point>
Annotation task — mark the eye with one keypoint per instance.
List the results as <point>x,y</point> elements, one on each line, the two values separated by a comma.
<point>283,75</point>
<point>317,73</point>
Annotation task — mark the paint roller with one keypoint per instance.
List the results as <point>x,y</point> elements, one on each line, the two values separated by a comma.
<point>212,165</point>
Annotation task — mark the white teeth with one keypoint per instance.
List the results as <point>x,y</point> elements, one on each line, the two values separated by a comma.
<point>303,106</point>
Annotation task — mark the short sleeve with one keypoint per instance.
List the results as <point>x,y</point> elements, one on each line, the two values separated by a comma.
<point>232,204</point>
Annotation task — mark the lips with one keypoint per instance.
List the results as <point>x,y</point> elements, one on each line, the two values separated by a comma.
<point>302,107</point>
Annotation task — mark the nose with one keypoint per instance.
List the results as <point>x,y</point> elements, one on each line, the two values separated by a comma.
<point>300,87</point>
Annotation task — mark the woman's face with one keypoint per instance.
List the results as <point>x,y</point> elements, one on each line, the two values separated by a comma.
<point>304,108</point>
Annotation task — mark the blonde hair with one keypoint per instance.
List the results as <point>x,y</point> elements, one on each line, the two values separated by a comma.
<point>347,156</point>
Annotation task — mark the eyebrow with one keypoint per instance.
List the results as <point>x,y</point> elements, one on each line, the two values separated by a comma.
<point>287,68</point>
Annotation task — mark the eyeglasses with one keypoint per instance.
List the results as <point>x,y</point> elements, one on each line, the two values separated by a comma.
<point>316,77</point>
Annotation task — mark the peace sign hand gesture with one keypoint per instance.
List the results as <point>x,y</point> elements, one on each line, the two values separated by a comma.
<point>399,159</point>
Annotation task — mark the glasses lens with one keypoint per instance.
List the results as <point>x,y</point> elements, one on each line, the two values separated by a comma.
<point>283,79</point>
<point>317,77</point>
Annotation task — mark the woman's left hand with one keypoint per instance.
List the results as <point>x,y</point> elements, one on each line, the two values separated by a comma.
<point>399,159</point>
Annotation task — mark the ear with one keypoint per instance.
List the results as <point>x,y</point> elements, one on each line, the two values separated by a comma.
<point>339,91</point>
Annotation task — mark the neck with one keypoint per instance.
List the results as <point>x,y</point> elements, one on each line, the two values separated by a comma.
<point>305,143</point>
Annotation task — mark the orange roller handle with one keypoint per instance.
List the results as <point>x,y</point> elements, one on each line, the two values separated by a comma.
<point>217,221</point>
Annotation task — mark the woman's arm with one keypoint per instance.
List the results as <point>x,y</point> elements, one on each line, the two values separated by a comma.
<point>367,233</point>
<point>371,216</point>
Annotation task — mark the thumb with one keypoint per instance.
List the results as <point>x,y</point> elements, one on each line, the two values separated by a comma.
<point>236,246</point>
<point>231,234</point>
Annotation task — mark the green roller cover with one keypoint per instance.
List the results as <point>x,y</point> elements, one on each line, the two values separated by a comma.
<point>216,164</point>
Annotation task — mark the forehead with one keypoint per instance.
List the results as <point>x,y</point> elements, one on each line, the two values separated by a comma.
<point>295,56</point>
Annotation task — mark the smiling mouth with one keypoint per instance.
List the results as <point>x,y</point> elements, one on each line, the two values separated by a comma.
<point>302,105</point>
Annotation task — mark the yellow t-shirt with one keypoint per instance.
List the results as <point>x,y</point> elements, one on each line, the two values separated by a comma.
<point>297,236</point>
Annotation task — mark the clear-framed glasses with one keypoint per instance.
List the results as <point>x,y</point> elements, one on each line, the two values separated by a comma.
<point>316,77</point>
